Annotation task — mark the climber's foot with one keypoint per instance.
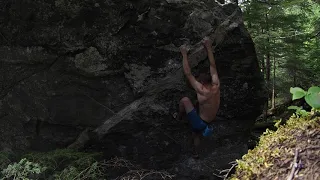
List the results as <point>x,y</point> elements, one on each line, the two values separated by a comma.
<point>176,116</point>
<point>195,154</point>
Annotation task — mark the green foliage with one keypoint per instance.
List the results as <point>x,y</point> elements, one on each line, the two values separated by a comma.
<point>60,164</point>
<point>299,111</point>
<point>69,164</point>
<point>59,159</point>
<point>312,97</point>
<point>285,31</point>
<point>297,93</point>
<point>24,170</point>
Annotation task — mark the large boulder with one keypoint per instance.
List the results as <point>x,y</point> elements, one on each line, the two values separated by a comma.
<point>113,68</point>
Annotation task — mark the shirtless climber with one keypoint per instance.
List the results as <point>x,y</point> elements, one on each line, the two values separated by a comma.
<point>207,88</point>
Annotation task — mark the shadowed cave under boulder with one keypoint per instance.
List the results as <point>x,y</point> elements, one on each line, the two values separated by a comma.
<point>114,68</point>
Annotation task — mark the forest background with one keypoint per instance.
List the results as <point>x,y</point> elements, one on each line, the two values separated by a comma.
<point>286,34</point>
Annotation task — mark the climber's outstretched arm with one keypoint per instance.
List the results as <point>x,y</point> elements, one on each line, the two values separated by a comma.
<point>187,71</point>
<point>213,69</point>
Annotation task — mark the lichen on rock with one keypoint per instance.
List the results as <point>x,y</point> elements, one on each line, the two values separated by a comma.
<point>91,62</point>
<point>137,75</point>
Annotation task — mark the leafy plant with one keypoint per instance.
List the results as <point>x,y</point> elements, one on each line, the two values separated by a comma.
<point>23,170</point>
<point>69,164</point>
<point>299,111</point>
<point>60,159</point>
<point>312,96</point>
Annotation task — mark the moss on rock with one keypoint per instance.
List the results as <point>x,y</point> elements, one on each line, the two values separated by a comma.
<point>273,157</point>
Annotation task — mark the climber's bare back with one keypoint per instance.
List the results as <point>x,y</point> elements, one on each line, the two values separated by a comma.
<point>209,103</point>
<point>209,99</point>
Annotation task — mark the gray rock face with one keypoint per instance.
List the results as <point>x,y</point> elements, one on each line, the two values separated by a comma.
<point>114,68</point>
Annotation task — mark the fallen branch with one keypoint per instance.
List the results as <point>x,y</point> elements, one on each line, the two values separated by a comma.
<point>226,171</point>
<point>232,167</point>
<point>294,165</point>
<point>135,172</point>
<point>142,174</point>
<point>118,163</point>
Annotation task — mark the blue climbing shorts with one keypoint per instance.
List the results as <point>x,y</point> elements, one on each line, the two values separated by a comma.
<point>198,125</point>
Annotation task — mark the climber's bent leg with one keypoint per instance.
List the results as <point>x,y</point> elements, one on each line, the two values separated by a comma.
<point>185,106</point>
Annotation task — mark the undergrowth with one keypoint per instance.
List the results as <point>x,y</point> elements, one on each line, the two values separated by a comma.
<point>60,164</point>
<point>275,150</point>
<point>67,164</point>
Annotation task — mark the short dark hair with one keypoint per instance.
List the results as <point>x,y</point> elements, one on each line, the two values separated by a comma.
<point>204,78</point>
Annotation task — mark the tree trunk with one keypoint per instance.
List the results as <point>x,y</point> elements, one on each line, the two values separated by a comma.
<point>268,64</point>
<point>268,69</point>
<point>274,83</point>
<point>268,53</point>
<point>263,66</point>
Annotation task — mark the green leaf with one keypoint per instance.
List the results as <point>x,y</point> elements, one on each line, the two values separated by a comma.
<point>303,113</point>
<point>297,93</point>
<point>294,107</point>
<point>313,99</point>
<point>314,89</point>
